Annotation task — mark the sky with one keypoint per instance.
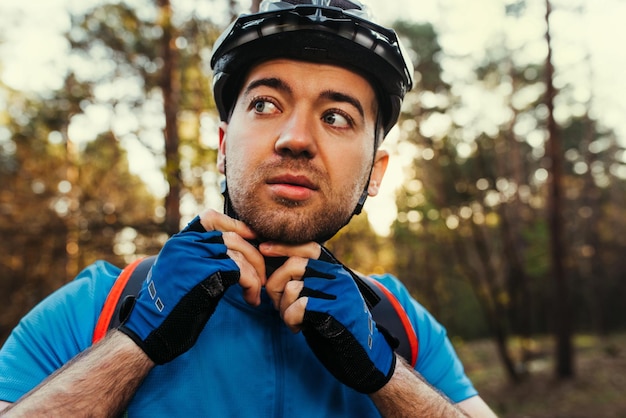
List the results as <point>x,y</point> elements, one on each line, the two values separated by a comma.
<point>32,56</point>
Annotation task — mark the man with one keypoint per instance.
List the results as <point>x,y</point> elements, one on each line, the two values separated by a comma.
<point>306,93</point>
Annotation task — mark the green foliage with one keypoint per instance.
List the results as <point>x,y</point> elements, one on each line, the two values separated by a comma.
<point>359,247</point>
<point>61,212</point>
<point>474,211</point>
<point>65,203</point>
<point>422,41</point>
<point>131,42</point>
<point>537,263</point>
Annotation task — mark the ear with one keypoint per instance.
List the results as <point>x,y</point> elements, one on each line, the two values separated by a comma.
<point>221,150</point>
<point>378,171</point>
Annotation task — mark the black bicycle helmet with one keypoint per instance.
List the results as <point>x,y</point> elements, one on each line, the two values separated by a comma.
<point>328,31</point>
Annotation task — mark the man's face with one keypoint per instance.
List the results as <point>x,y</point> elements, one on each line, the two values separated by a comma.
<point>298,149</point>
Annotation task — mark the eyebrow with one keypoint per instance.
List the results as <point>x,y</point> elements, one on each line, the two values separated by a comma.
<point>278,84</point>
<point>272,82</point>
<point>341,97</point>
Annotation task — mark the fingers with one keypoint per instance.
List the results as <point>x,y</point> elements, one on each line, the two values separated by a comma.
<point>293,315</point>
<point>251,266</point>
<point>292,270</point>
<point>215,221</point>
<point>285,284</point>
<point>273,249</point>
<point>249,260</point>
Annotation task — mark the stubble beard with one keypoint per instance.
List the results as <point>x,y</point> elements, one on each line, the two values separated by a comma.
<point>290,221</point>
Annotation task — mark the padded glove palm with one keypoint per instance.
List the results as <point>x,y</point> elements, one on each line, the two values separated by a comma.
<point>180,294</point>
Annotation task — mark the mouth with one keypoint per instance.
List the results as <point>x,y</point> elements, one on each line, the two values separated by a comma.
<point>292,187</point>
<point>293,180</point>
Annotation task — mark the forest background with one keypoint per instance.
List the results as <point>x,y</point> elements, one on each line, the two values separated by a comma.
<point>504,214</point>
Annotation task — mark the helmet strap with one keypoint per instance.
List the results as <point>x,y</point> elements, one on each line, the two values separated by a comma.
<point>228,207</point>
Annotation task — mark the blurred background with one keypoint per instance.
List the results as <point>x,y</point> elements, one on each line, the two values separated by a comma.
<point>503,211</point>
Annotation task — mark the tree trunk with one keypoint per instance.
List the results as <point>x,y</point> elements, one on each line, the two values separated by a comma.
<point>171,91</point>
<point>72,219</point>
<point>563,321</point>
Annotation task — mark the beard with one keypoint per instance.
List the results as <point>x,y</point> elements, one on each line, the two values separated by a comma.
<point>288,221</point>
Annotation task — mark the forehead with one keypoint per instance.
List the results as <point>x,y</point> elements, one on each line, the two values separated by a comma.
<point>305,76</point>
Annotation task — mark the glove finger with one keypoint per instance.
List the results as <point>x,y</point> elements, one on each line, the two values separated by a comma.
<point>327,256</point>
<point>194,226</point>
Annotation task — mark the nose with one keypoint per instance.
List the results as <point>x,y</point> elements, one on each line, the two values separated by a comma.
<point>297,137</point>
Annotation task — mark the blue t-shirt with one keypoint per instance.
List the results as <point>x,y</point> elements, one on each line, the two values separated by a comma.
<point>245,363</point>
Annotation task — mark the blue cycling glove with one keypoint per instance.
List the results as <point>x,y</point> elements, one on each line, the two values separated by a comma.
<point>181,292</point>
<point>340,330</point>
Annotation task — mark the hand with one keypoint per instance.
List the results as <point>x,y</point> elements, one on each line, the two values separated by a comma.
<point>188,279</point>
<point>318,295</point>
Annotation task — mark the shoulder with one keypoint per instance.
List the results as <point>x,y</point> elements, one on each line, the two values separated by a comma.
<point>54,331</point>
<point>82,296</point>
<point>437,360</point>
<point>78,301</point>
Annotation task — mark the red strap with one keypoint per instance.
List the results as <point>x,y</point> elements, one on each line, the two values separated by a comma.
<point>111,302</point>
<point>408,327</point>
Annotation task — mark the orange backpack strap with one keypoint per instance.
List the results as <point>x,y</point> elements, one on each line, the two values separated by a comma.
<point>111,305</point>
<point>389,313</point>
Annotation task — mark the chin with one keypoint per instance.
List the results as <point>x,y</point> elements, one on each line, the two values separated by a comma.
<point>293,222</point>
<point>296,228</point>
<point>291,231</point>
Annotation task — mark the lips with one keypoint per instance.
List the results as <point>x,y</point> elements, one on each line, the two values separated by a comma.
<point>292,187</point>
<point>293,180</point>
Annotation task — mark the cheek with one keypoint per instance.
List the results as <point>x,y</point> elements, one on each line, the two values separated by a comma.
<point>355,160</point>
<point>350,171</point>
<point>238,145</point>
<point>244,156</point>
<point>248,140</point>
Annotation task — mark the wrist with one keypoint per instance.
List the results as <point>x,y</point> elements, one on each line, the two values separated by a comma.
<point>129,347</point>
<point>408,394</point>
